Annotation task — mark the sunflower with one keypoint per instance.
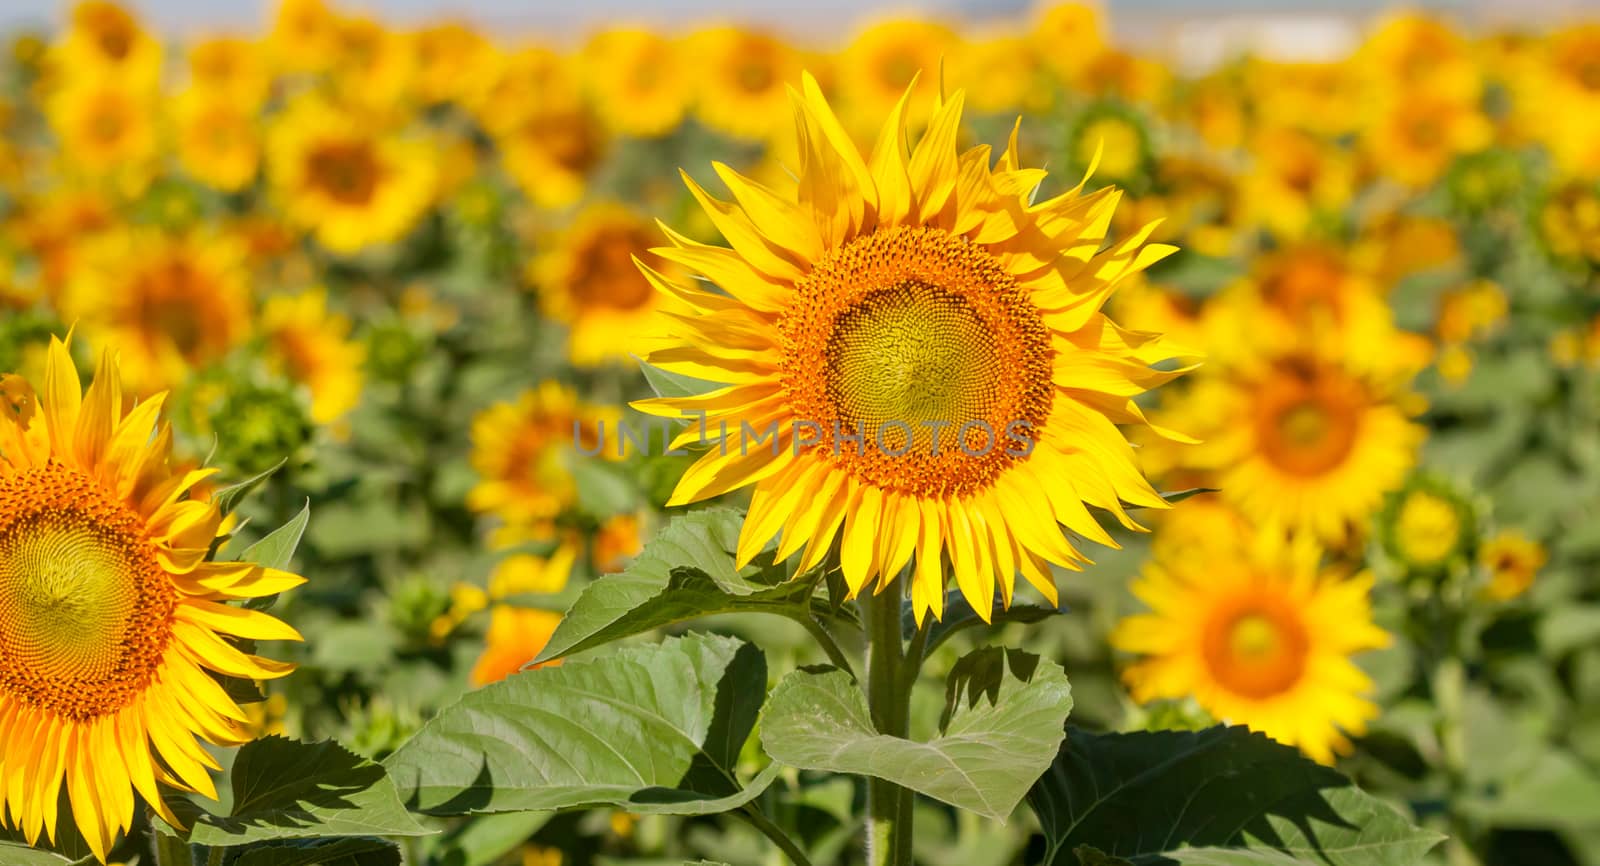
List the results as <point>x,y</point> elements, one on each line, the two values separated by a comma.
<point>523,452</point>
<point>741,89</point>
<point>447,57</point>
<point>302,35</point>
<point>169,304</point>
<point>1296,178</point>
<point>1512,560</point>
<point>639,81</point>
<point>112,623</point>
<point>314,346</point>
<point>106,130</point>
<point>1003,71</point>
<point>1060,25</point>
<point>587,280</point>
<point>1114,135</point>
<point>1418,133</point>
<point>218,140</point>
<point>1260,635</point>
<point>927,351</point>
<point>1567,220</point>
<point>1410,51</point>
<point>105,41</point>
<point>349,184</point>
<point>516,636</point>
<point>1557,101</point>
<point>231,67</point>
<point>885,60</point>
<point>1428,527</point>
<point>552,151</point>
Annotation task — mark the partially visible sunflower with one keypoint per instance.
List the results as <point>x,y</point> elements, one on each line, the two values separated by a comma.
<point>516,636</point>
<point>1567,220</point>
<point>1067,37</point>
<point>1418,133</point>
<point>929,350</point>
<point>1003,74</point>
<point>104,41</point>
<point>552,151</point>
<point>1260,635</point>
<point>313,344</point>
<point>523,451</point>
<point>588,281</point>
<point>887,59</point>
<point>743,75</point>
<point>1512,560</point>
<point>219,142</point>
<point>447,57</point>
<point>352,186</point>
<point>1296,180</point>
<point>302,35</point>
<point>1428,527</point>
<point>1115,135</point>
<point>107,131</point>
<point>112,623</point>
<point>231,68</point>
<point>169,304</point>
<point>640,81</point>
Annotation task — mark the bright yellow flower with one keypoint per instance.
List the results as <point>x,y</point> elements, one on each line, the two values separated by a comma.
<point>1320,98</point>
<point>1003,73</point>
<point>372,66</point>
<point>741,89</point>
<point>904,291</point>
<point>1410,51</point>
<point>233,68</point>
<point>1558,99</point>
<point>352,186</point>
<point>516,636</point>
<point>523,452</point>
<point>1418,134</point>
<point>552,152</point>
<point>1124,76</point>
<point>314,346</point>
<point>302,36</point>
<point>104,41</point>
<point>219,140</point>
<point>527,574</point>
<point>1260,635</point>
<point>618,540</point>
<point>167,304</point>
<point>1067,37</point>
<point>1470,311</point>
<point>1429,526</point>
<point>1568,221</point>
<point>1295,177</point>
<point>112,623</point>
<point>107,131</point>
<point>507,88</point>
<point>640,82</point>
<point>1396,245</point>
<point>448,58</point>
<point>884,60</point>
<point>1513,560</point>
<point>587,280</point>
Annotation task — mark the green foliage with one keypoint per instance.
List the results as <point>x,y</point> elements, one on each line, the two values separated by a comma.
<point>1219,797</point>
<point>1003,720</point>
<point>685,571</point>
<point>549,738</point>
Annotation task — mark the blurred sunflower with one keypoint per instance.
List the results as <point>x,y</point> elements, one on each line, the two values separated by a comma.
<point>371,66</point>
<point>1413,51</point>
<point>1295,179</point>
<point>107,131</point>
<point>219,142</point>
<point>1259,635</point>
<point>302,35</point>
<point>523,450</point>
<point>887,58</point>
<point>1003,74</point>
<point>350,185</point>
<point>112,624</point>
<point>588,281</point>
<point>313,345</point>
<point>169,304</point>
<point>232,68</point>
<point>1567,220</point>
<point>104,41</point>
<point>552,151</point>
<point>1428,527</point>
<point>741,87</point>
<point>916,300</point>
<point>516,636</point>
<point>1418,134</point>
<point>1067,37</point>
<point>1565,74</point>
<point>1512,560</point>
<point>447,58</point>
<point>1116,136</point>
<point>639,81</point>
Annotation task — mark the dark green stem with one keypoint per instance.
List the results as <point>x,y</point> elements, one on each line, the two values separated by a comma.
<point>170,850</point>
<point>788,846</point>
<point>888,805</point>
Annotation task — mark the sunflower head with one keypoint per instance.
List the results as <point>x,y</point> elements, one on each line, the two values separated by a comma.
<point>1260,634</point>
<point>912,359</point>
<point>1511,560</point>
<point>112,621</point>
<point>1115,135</point>
<point>1428,528</point>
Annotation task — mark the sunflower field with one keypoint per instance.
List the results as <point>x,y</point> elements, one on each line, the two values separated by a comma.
<point>953,444</point>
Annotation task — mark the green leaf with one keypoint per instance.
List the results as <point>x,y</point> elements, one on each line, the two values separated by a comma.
<point>483,840</point>
<point>228,498</point>
<point>1004,717</point>
<point>1221,797</point>
<point>276,550</point>
<point>1557,790</point>
<point>958,615</point>
<point>686,571</point>
<point>349,851</point>
<point>17,854</point>
<point>286,789</point>
<point>667,384</point>
<point>650,728</point>
<point>603,488</point>
<point>1091,856</point>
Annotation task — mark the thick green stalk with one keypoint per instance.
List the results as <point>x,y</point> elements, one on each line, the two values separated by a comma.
<point>888,805</point>
<point>170,850</point>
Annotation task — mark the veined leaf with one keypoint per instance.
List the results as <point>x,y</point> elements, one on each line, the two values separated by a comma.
<point>349,851</point>
<point>228,498</point>
<point>650,728</point>
<point>286,789</point>
<point>1004,717</point>
<point>1219,797</point>
<point>686,571</point>
<point>18,854</point>
<point>277,549</point>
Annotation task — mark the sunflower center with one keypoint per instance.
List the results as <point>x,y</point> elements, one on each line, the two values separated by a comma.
<point>914,361</point>
<point>604,275</point>
<point>346,171</point>
<point>1307,420</point>
<point>1428,528</point>
<point>1257,649</point>
<point>754,74</point>
<point>85,611</point>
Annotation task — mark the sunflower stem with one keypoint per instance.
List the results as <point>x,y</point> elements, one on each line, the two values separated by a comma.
<point>170,850</point>
<point>889,812</point>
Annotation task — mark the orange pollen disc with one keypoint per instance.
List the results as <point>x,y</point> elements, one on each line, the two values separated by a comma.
<point>1307,418</point>
<point>85,609</point>
<point>915,362</point>
<point>1256,646</point>
<point>347,172</point>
